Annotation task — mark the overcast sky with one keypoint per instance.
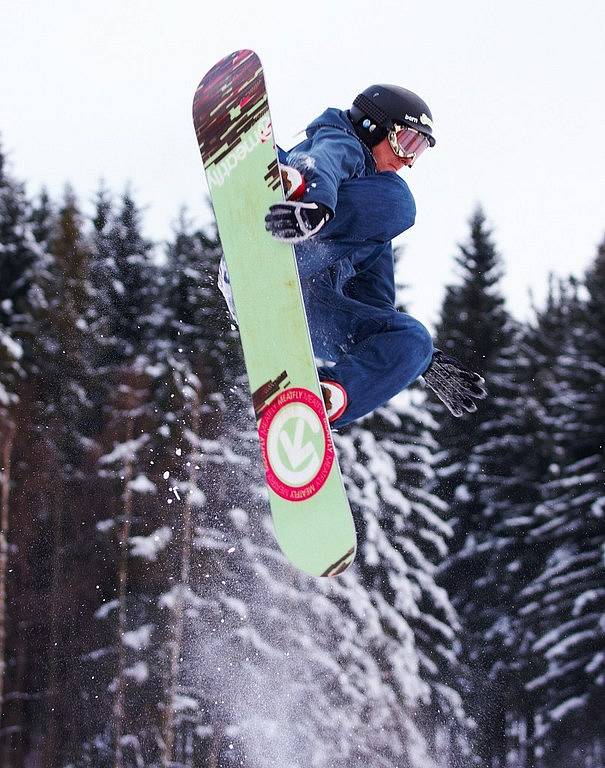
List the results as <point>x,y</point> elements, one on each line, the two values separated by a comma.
<point>103,90</point>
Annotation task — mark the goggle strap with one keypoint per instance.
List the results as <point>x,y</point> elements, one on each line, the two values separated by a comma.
<point>367,106</point>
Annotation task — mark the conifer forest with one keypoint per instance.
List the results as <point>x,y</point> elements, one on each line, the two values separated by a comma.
<point>147,617</point>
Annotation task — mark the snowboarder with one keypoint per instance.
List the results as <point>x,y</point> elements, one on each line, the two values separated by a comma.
<point>342,222</point>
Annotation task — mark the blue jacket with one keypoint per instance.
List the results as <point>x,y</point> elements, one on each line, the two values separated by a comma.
<point>370,209</point>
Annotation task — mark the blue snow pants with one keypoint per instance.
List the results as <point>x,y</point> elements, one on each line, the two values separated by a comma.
<point>376,350</point>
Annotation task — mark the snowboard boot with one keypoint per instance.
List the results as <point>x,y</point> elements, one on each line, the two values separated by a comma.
<point>335,399</point>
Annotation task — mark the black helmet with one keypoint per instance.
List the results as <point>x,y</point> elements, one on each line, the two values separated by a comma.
<point>377,110</point>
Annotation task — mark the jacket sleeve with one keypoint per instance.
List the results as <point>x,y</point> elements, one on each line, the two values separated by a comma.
<point>328,158</point>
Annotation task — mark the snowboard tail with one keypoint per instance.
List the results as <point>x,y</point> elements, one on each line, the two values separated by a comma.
<point>311,515</point>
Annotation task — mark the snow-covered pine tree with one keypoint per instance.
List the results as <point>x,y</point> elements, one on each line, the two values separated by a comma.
<point>214,475</point>
<point>131,281</point>
<point>294,668</point>
<point>51,542</point>
<point>41,218</point>
<point>387,461</point>
<point>104,271</point>
<point>566,601</point>
<point>264,640</point>
<point>186,396</point>
<point>61,408</point>
<point>19,256</point>
<point>20,259</point>
<point>395,456</point>
<point>127,319</point>
<point>522,552</point>
<point>477,475</point>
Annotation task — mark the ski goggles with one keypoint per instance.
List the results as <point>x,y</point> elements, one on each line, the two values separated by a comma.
<point>407,143</point>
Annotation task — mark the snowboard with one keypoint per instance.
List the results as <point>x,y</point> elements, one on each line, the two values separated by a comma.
<point>311,515</point>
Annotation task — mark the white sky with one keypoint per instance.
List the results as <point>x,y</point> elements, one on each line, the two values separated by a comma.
<point>103,90</point>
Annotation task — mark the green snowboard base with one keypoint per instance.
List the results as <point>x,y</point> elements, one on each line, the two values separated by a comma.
<point>311,514</point>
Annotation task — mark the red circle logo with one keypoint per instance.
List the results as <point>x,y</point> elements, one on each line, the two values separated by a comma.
<point>296,444</point>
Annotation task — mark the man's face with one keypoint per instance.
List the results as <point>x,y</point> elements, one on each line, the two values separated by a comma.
<point>387,160</point>
<point>405,146</point>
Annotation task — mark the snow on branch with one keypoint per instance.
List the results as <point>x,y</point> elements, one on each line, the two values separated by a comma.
<point>148,547</point>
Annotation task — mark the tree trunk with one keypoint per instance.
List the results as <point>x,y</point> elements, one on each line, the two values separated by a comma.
<point>119,705</point>
<point>5,479</point>
<point>214,754</point>
<point>17,728</point>
<point>55,650</point>
<point>530,733</point>
<point>177,623</point>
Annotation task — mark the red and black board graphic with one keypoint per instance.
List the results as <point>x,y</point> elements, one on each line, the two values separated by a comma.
<point>262,395</point>
<point>228,102</point>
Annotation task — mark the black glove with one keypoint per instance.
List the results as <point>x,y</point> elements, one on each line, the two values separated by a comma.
<point>454,384</point>
<point>294,221</point>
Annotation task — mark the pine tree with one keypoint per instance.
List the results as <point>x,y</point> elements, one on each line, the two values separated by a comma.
<point>232,685</point>
<point>187,377</point>
<point>476,477</point>
<point>126,281</point>
<point>20,258</point>
<point>41,218</point>
<point>565,602</point>
<point>12,213</point>
<point>387,460</point>
<point>21,262</point>
<point>61,381</point>
<point>533,453</point>
<point>396,448</point>
<point>128,316</point>
<point>174,633</point>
